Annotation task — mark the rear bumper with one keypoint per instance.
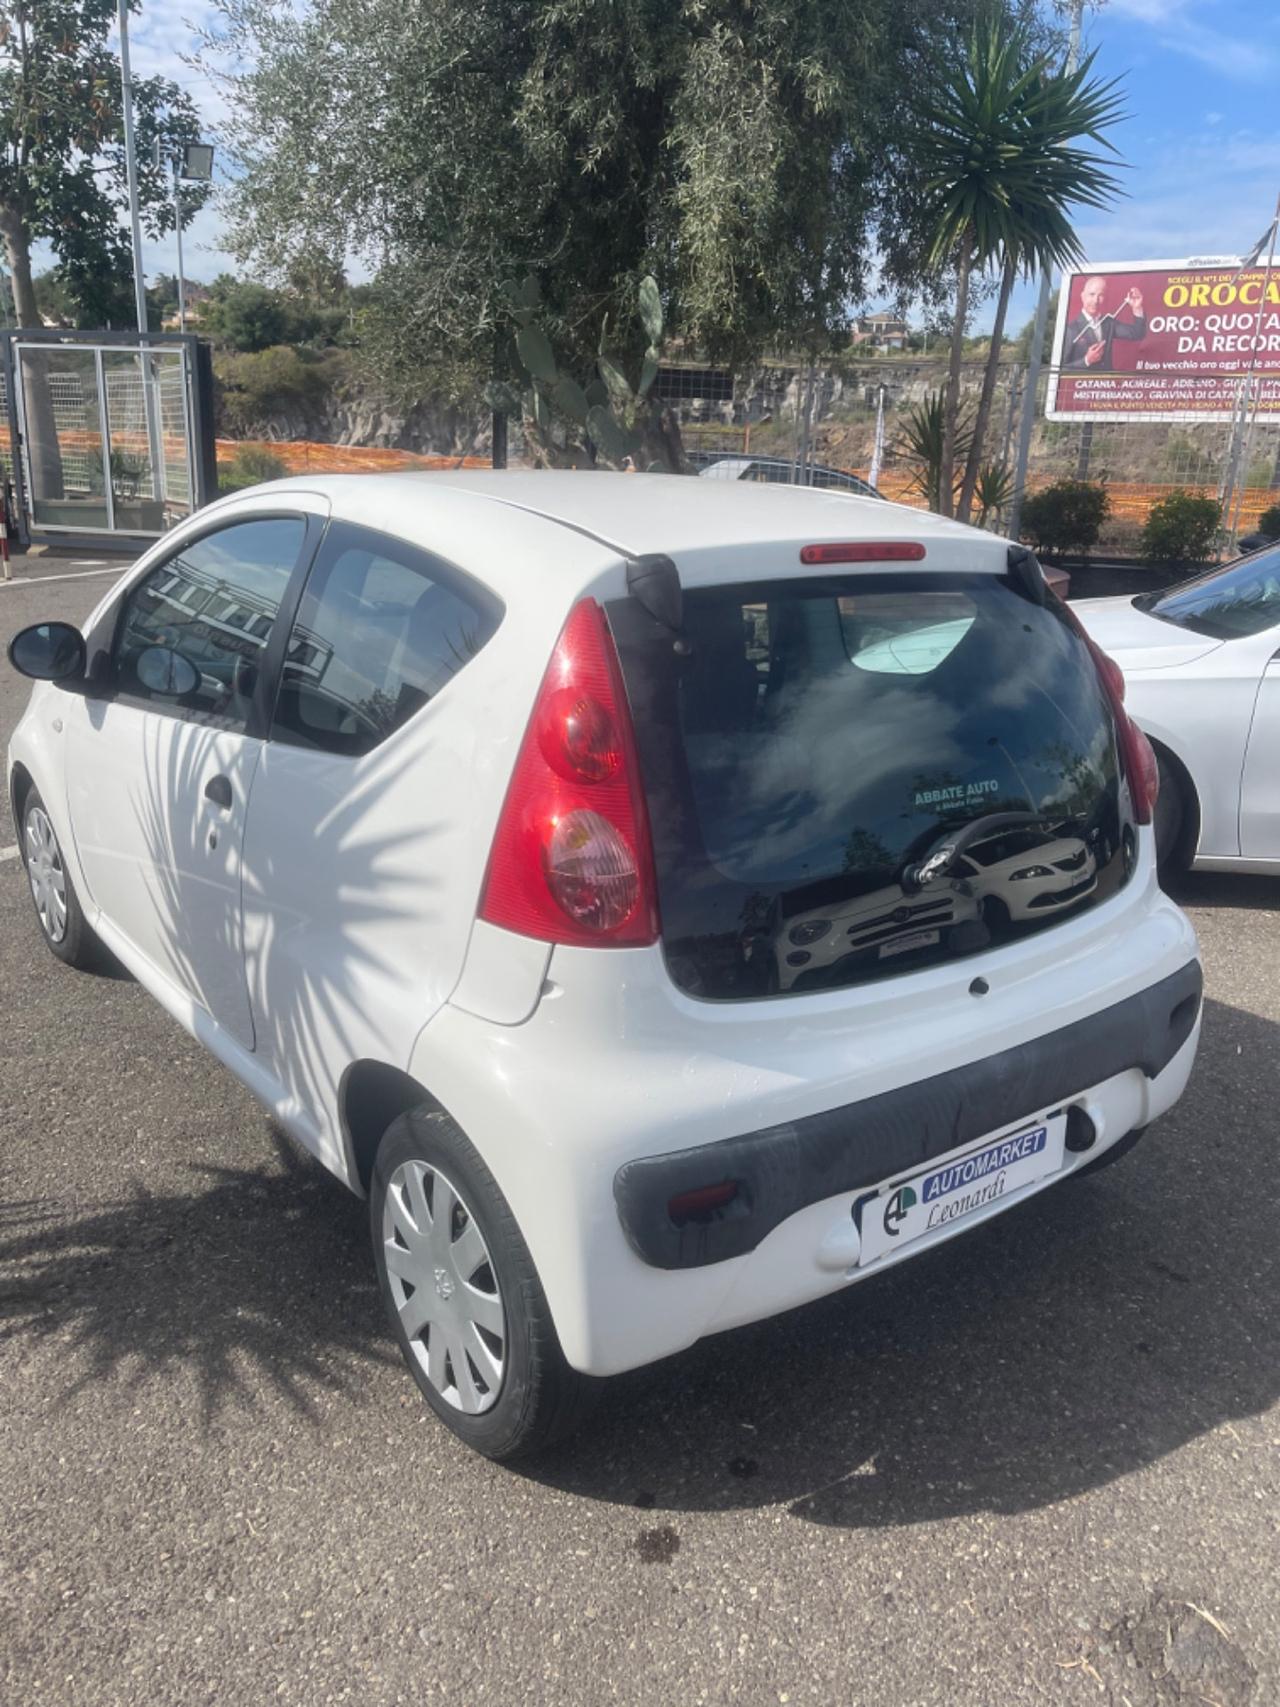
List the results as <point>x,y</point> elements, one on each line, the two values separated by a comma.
<point>783,1169</point>
<point>617,1074</point>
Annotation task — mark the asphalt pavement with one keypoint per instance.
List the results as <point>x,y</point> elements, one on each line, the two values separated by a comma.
<point>1041,1464</point>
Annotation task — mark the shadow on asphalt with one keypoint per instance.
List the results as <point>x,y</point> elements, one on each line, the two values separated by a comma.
<point>1082,1336</point>
<point>1239,891</point>
<point>263,1279</point>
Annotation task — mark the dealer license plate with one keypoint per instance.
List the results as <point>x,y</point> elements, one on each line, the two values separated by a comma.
<point>957,1188</point>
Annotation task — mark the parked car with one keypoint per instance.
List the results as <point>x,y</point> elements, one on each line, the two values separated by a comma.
<point>454,814</point>
<point>783,471</point>
<point>1201,667</point>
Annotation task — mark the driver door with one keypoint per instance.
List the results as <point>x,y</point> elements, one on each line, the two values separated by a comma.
<point>159,769</point>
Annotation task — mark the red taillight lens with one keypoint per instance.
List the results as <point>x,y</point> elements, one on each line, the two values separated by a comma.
<point>864,551</point>
<point>571,860</point>
<point>1137,755</point>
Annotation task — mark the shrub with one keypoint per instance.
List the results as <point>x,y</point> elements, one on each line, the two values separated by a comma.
<point>1066,516</point>
<point>259,388</point>
<point>249,467</point>
<point>1269,522</point>
<point>1181,528</point>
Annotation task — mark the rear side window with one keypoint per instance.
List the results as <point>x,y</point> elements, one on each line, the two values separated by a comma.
<point>382,628</point>
<point>194,631</point>
<point>819,737</point>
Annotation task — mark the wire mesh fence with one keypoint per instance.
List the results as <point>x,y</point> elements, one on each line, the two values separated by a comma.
<point>787,411</point>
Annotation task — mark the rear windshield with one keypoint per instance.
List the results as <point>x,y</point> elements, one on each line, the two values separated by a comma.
<point>807,742</point>
<point>1225,604</point>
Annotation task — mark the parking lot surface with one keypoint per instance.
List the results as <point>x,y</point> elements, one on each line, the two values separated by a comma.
<point>1041,1464</point>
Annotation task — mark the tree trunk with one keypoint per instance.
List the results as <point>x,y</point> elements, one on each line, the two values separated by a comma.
<point>951,409</point>
<point>17,243</point>
<point>974,463</point>
<point>44,454</point>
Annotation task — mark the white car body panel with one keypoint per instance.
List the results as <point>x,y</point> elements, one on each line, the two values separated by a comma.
<point>360,881</point>
<point>1213,704</point>
<point>617,1062</point>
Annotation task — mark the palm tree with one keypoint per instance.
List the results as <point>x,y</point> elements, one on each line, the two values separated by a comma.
<point>994,137</point>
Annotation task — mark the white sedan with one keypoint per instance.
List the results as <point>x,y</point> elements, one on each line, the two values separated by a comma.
<point>1201,665</point>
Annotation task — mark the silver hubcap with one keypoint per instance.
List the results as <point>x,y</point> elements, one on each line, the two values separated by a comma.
<point>444,1287</point>
<point>45,874</point>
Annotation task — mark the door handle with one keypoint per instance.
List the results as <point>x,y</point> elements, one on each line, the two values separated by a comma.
<point>218,789</point>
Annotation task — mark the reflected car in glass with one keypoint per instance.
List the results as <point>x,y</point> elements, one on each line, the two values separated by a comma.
<point>668,904</point>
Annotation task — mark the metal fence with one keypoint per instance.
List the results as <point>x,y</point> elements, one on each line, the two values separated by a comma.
<point>1141,461</point>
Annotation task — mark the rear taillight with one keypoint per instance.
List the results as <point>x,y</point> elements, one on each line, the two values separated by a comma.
<point>571,860</point>
<point>1136,753</point>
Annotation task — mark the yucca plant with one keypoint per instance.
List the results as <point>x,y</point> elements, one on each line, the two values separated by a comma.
<point>994,138</point>
<point>992,491</point>
<point>921,437</point>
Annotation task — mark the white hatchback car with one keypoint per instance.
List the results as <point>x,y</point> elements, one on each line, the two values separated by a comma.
<point>1202,666</point>
<point>459,814</point>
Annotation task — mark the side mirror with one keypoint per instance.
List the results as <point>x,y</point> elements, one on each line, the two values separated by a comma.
<point>49,652</point>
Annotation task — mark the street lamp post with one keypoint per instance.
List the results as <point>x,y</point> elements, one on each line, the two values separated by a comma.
<point>195,164</point>
<point>155,443</point>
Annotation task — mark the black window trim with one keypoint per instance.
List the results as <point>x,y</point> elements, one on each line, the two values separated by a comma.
<point>315,526</point>
<point>348,533</point>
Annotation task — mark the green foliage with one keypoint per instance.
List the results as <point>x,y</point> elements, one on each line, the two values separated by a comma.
<point>261,386</point>
<point>993,492</point>
<point>1181,528</point>
<point>1269,522</point>
<point>609,421</point>
<point>921,438</point>
<point>62,171</point>
<point>1066,516</point>
<point>751,157</point>
<point>995,137</point>
<point>93,299</point>
<point>250,466</point>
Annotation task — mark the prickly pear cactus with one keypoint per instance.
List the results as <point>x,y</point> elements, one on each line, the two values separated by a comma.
<point>608,423</point>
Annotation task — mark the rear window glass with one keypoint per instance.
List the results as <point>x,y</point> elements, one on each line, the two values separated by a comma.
<point>1225,604</point>
<point>816,739</point>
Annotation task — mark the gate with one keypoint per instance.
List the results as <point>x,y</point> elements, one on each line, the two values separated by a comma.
<point>110,436</point>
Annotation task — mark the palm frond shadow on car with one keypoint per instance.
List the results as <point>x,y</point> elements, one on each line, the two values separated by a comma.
<point>379,871</point>
<point>231,1286</point>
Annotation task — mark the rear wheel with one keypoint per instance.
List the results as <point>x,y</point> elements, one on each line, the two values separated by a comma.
<point>463,1295</point>
<point>52,892</point>
<point>1174,820</point>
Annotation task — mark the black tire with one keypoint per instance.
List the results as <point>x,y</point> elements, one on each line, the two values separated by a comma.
<point>1175,825</point>
<point>540,1399</point>
<point>77,945</point>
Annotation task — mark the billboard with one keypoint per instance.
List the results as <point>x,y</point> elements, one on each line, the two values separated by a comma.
<point>1164,341</point>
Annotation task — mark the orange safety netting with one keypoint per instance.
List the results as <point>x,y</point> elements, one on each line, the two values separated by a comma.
<point>304,456</point>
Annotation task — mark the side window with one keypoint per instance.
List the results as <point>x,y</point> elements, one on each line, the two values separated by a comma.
<point>381,629</point>
<point>192,634</point>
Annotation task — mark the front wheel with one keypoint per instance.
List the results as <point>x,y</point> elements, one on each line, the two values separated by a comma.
<point>462,1293</point>
<point>53,894</point>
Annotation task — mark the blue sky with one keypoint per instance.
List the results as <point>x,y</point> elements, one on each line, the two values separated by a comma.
<point>1200,79</point>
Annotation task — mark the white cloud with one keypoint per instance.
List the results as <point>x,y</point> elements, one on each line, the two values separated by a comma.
<point>1243,58</point>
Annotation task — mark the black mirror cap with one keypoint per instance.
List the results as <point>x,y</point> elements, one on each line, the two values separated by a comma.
<point>49,652</point>
<point>1027,575</point>
<point>654,582</point>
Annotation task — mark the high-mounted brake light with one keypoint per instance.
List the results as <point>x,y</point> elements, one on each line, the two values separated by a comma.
<point>1137,755</point>
<point>864,551</point>
<point>571,860</point>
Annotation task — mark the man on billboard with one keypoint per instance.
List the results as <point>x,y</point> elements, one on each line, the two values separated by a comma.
<point>1093,331</point>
